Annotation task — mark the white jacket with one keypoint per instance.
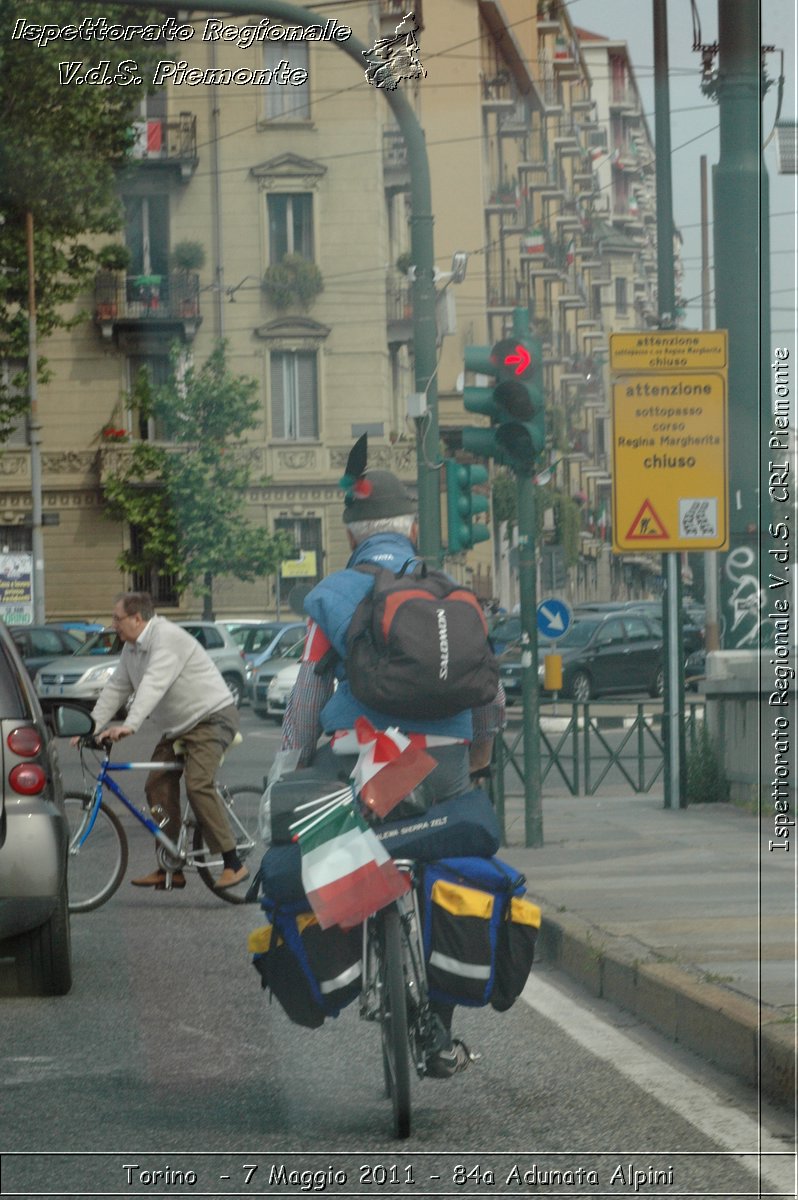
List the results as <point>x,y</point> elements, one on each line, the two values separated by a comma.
<point>174,680</point>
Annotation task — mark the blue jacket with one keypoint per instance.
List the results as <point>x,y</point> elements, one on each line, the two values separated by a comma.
<point>332,603</point>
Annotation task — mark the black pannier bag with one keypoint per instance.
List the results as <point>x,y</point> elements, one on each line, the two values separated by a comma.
<point>313,972</point>
<point>479,931</point>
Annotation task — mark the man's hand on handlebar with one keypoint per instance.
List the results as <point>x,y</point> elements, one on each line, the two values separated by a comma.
<point>112,734</point>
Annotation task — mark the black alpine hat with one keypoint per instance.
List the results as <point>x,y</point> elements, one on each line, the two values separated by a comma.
<point>372,495</point>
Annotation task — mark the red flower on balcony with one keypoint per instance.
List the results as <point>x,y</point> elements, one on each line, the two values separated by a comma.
<point>110,433</point>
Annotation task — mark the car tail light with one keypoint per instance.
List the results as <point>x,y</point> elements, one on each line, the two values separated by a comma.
<point>27,778</point>
<point>25,741</point>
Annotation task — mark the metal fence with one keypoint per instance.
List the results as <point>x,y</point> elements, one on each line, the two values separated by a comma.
<point>586,746</point>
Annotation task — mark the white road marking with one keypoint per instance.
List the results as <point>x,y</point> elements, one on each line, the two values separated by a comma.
<point>699,1105</point>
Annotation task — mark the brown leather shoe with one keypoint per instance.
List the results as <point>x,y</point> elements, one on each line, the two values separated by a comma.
<point>229,878</point>
<point>157,880</point>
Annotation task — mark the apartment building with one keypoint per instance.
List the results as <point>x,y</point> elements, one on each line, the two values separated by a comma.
<point>522,129</point>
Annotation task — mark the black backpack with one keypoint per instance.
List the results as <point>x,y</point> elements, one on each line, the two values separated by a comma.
<point>417,646</point>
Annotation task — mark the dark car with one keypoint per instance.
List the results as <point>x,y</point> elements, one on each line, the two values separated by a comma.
<point>34,835</point>
<point>601,653</point>
<point>504,629</point>
<point>692,620</point>
<point>40,644</point>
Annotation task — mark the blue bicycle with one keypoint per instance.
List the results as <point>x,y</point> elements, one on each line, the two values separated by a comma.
<point>98,850</point>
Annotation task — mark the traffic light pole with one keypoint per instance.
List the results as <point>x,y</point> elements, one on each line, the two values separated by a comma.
<point>527,579</point>
<point>422,251</point>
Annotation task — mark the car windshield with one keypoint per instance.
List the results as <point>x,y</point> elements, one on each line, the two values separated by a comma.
<point>578,634</point>
<point>107,642</point>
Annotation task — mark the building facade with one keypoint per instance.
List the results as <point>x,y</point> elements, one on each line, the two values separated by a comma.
<point>542,172</point>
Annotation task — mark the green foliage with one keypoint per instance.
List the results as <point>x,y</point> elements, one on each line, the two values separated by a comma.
<point>187,499</point>
<point>504,497</point>
<point>114,257</point>
<point>188,256</point>
<point>567,523</point>
<point>60,148</point>
<point>706,782</point>
<point>295,280</point>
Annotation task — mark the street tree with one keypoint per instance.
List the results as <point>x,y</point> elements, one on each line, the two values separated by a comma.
<point>186,495</point>
<point>61,148</point>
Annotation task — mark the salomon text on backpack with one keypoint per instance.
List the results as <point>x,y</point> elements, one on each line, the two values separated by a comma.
<point>417,646</point>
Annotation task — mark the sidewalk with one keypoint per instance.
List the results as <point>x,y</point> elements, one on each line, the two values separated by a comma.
<point>683,917</point>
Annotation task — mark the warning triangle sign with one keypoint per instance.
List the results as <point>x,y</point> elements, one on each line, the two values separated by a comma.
<point>647,527</point>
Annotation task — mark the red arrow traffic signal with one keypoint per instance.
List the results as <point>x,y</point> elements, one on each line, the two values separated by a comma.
<point>520,359</point>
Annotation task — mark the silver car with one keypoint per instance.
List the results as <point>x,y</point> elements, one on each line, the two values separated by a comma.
<point>34,835</point>
<point>83,675</point>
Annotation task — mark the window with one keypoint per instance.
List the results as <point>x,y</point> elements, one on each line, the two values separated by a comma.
<point>147,234</point>
<point>286,102</point>
<point>160,584</point>
<point>305,533</point>
<point>294,395</point>
<point>159,369</point>
<point>621,300</point>
<point>637,630</point>
<point>290,225</point>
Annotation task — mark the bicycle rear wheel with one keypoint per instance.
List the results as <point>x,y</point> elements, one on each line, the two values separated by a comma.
<point>243,809</point>
<point>95,869</point>
<point>393,1022</point>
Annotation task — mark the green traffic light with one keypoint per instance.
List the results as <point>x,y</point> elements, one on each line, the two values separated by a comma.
<point>463,505</point>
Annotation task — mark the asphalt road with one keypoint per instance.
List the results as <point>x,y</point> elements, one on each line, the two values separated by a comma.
<point>167,1056</point>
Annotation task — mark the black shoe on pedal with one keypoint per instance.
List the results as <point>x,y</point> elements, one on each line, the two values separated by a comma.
<point>445,1063</point>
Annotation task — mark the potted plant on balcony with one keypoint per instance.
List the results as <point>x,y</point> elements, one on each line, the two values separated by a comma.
<point>295,280</point>
<point>113,259</point>
<point>187,258</point>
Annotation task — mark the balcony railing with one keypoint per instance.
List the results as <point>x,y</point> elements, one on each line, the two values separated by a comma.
<point>173,297</point>
<point>167,142</point>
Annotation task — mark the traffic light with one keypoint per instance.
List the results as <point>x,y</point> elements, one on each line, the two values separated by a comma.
<point>515,403</point>
<point>463,505</point>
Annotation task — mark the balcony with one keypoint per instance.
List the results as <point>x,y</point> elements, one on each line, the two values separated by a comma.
<point>624,97</point>
<point>398,308</point>
<point>498,94</point>
<point>165,305</point>
<point>167,145</point>
<point>514,122</point>
<point>392,12</point>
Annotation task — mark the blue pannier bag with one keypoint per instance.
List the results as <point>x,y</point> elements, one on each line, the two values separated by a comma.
<point>313,972</point>
<point>479,931</point>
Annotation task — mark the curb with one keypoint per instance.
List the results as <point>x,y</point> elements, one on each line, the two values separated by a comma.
<point>731,1031</point>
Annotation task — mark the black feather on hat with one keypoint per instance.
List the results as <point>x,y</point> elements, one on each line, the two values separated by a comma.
<point>371,495</point>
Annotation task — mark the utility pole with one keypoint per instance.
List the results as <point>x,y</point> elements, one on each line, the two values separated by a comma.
<point>673,706</point>
<point>742,303</point>
<point>711,629</point>
<point>34,436</point>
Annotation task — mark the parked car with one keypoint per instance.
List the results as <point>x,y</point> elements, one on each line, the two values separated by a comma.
<point>34,835</point>
<point>280,688</point>
<point>262,676</point>
<point>84,675</point>
<point>40,644</point>
<point>79,629</point>
<point>503,630</point>
<point>692,623</point>
<point>601,653</point>
<point>281,646</point>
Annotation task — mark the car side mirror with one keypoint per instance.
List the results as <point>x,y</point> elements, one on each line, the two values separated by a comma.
<point>70,720</point>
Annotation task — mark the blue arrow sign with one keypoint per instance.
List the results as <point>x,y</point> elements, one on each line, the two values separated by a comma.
<point>554,617</point>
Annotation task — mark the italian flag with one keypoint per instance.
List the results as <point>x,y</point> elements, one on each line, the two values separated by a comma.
<point>389,766</point>
<point>534,242</point>
<point>346,873</point>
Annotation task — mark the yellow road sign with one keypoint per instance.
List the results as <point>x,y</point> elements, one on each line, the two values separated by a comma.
<point>669,471</point>
<point>669,350</point>
<point>303,567</point>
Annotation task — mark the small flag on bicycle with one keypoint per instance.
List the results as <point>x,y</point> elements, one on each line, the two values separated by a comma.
<point>389,766</point>
<point>346,873</point>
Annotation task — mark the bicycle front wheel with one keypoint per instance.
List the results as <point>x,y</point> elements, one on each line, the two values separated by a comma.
<point>243,810</point>
<point>95,869</point>
<point>393,1022</point>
